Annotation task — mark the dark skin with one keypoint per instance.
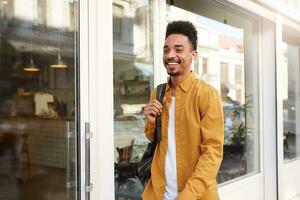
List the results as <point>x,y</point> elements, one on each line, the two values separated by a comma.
<point>177,58</point>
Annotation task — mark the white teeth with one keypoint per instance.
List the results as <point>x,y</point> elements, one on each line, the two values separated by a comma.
<point>172,63</point>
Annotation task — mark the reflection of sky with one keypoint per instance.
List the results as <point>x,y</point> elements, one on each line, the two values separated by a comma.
<point>224,29</point>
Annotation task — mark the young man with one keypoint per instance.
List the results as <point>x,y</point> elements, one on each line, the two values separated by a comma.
<point>188,157</point>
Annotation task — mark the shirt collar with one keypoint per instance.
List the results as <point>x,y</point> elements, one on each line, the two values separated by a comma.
<point>186,83</point>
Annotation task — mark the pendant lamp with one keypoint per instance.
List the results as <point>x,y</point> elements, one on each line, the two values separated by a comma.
<point>31,67</point>
<point>59,63</point>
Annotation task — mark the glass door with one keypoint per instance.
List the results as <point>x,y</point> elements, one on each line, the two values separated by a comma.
<point>133,80</point>
<point>38,99</point>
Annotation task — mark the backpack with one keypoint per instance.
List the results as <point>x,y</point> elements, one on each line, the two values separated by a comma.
<point>144,167</point>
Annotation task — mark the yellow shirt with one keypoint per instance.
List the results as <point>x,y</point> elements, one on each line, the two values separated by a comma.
<point>199,132</point>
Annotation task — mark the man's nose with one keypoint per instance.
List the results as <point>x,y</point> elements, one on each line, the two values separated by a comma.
<point>171,54</point>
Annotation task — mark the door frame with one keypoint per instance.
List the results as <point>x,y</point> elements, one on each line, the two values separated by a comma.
<point>99,53</point>
<point>84,93</point>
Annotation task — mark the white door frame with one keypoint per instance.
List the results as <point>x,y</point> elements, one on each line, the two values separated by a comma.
<point>279,106</point>
<point>99,52</point>
<point>268,109</point>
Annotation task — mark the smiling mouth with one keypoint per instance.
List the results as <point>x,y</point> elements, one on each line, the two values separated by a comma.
<point>170,63</point>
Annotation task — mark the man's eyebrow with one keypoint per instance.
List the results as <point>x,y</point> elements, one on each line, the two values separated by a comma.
<point>176,46</point>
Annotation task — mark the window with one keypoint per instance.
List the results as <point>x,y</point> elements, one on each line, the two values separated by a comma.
<point>117,21</point>
<point>38,99</point>
<point>238,74</point>
<point>291,98</point>
<point>133,78</point>
<point>228,39</point>
<point>205,66</point>
<point>201,67</point>
<point>224,72</point>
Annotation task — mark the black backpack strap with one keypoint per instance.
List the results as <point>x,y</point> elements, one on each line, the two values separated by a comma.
<point>160,93</point>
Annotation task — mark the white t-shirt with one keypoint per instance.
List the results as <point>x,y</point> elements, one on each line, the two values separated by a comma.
<point>171,190</point>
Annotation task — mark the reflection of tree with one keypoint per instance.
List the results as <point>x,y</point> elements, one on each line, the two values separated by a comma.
<point>238,135</point>
<point>242,116</point>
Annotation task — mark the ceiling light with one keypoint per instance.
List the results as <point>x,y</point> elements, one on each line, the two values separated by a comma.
<point>31,67</point>
<point>59,63</point>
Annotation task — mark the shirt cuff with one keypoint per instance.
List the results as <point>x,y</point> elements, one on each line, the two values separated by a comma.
<point>149,130</point>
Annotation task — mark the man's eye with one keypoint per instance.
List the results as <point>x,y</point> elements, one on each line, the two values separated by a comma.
<point>179,50</point>
<point>166,50</point>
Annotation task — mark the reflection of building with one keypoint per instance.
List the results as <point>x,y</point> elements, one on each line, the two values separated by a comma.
<point>132,52</point>
<point>38,103</point>
<point>133,72</point>
<point>220,63</point>
<point>219,45</point>
<point>52,13</point>
<point>46,29</point>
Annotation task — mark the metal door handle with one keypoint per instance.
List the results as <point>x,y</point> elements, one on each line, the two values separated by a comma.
<point>69,153</point>
<point>88,185</point>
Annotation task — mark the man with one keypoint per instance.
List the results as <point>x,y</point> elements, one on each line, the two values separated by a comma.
<point>187,159</point>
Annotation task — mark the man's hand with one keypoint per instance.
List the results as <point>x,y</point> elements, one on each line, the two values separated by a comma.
<point>152,110</point>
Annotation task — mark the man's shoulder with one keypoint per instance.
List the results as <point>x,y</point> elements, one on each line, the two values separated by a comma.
<point>205,88</point>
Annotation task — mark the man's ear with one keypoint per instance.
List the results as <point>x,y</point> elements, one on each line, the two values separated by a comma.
<point>194,55</point>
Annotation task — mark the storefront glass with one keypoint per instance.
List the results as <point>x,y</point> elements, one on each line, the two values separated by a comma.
<point>133,80</point>
<point>228,60</point>
<point>291,98</point>
<point>38,92</point>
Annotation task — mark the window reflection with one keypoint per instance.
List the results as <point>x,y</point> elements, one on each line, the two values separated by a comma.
<point>291,105</point>
<point>221,51</point>
<point>133,78</point>
<point>37,101</point>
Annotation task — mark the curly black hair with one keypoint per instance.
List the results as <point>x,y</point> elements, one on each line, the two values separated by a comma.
<point>185,28</point>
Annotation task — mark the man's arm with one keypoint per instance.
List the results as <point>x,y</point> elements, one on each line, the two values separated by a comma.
<point>212,129</point>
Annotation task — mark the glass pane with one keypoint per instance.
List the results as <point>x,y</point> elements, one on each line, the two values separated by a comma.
<point>224,59</point>
<point>291,98</point>
<point>38,62</point>
<point>133,78</point>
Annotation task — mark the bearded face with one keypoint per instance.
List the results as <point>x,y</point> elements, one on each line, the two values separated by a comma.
<point>178,55</point>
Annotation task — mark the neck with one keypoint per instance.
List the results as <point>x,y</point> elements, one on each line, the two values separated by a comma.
<point>176,80</point>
